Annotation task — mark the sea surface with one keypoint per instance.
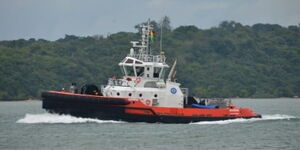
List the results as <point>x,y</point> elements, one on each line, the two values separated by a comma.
<point>25,125</point>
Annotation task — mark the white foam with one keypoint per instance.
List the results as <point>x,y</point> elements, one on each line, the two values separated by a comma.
<point>67,119</point>
<point>241,120</point>
<point>56,118</point>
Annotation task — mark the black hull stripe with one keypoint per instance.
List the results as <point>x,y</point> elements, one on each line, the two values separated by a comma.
<point>102,111</point>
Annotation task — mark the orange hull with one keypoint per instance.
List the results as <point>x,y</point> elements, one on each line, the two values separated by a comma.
<point>116,108</point>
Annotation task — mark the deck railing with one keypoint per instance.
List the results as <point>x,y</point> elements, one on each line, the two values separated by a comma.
<point>149,58</point>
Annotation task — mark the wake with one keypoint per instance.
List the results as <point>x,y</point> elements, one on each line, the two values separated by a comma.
<point>48,118</point>
<point>264,118</point>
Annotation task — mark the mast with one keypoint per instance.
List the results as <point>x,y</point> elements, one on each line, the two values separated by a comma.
<point>148,32</point>
<point>143,46</point>
<point>142,49</point>
<point>161,30</point>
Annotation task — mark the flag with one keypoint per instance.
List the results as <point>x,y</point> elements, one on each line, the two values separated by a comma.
<point>151,35</point>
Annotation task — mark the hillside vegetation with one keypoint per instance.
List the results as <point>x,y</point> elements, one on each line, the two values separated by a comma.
<point>231,60</point>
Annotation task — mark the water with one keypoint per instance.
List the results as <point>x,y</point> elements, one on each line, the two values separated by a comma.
<point>24,125</point>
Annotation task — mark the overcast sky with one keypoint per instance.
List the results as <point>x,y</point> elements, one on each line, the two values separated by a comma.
<point>52,19</point>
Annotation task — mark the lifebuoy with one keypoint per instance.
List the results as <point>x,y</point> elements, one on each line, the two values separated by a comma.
<point>148,102</point>
<point>138,80</point>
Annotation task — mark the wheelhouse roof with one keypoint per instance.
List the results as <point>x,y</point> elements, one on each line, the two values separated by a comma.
<point>131,61</point>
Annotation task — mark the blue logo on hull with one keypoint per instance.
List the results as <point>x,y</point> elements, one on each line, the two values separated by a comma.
<point>173,90</point>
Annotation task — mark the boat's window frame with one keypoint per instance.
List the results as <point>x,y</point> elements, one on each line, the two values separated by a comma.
<point>129,61</point>
<point>126,67</point>
<point>159,71</point>
<point>162,73</point>
<point>142,72</point>
<point>123,70</point>
<point>138,62</point>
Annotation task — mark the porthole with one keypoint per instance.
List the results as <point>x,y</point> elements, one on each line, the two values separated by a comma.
<point>155,95</point>
<point>141,95</point>
<point>148,68</point>
<point>118,94</point>
<point>129,94</point>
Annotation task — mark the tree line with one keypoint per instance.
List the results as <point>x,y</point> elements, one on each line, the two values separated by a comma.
<point>230,60</point>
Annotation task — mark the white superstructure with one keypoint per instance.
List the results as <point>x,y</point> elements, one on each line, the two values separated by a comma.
<point>144,77</point>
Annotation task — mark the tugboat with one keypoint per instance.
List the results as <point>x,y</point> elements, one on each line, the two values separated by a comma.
<point>143,94</point>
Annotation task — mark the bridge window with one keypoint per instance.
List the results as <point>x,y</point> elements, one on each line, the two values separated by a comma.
<point>139,71</point>
<point>129,61</point>
<point>122,70</point>
<point>138,62</point>
<point>156,72</point>
<point>163,72</point>
<point>129,70</point>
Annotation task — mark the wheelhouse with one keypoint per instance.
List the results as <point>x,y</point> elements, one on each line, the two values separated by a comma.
<point>132,67</point>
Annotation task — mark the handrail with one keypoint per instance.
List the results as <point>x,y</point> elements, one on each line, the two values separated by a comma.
<point>149,58</point>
